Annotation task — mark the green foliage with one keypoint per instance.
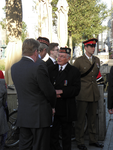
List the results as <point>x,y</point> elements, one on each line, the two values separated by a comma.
<point>85,18</point>
<point>54,9</point>
<point>7,40</point>
<point>2,64</point>
<point>3,23</point>
<point>24,31</point>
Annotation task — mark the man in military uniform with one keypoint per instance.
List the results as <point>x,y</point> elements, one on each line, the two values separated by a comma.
<point>88,97</point>
<point>66,81</point>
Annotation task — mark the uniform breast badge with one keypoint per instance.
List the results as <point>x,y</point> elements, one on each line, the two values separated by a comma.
<point>54,82</point>
<point>65,82</point>
<point>98,65</point>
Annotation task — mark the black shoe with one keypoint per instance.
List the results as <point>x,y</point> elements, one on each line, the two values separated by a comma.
<point>82,147</point>
<point>97,144</point>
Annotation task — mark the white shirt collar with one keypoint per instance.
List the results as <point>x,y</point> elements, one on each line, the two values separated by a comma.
<point>52,59</point>
<point>29,58</point>
<point>63,67</point>
<point>88,56</point>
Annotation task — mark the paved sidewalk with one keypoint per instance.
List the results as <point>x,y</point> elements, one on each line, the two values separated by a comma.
<point>108,143</point>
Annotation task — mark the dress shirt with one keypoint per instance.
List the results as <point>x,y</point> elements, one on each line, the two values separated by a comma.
<point>29,58</point>
<point>53,60</point>
<point>63,67</point>
<point>89,58</point>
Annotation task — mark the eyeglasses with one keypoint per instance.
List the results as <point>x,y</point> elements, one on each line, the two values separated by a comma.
<point>91,45</point>
<point>61,56</point>
<point>56,50</point>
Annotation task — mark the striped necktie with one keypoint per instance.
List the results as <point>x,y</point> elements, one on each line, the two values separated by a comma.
<point>60,69</point>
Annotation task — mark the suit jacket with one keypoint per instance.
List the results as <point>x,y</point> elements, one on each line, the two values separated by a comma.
<point>49,62</point>
<point>89,89</point>
<point>68,81</point>
<point>110,89</point>
<point>36,95</point>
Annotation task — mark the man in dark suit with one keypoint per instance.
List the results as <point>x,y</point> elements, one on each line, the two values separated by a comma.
<point>66,81</point>
<point>110,92</point>
<point>88,97</point>
<point>53,53</point>
<point>44,44</point>
<point>36,98</point>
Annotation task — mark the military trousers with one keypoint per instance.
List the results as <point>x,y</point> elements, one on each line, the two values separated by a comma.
<point>83,108</point>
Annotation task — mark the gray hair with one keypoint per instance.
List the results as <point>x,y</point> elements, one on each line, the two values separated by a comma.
<point>30,46</point>
<point>43,46</point>
<point>68,55</point>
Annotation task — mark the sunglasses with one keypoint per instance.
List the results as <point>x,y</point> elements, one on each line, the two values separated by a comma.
<point>91,45</point>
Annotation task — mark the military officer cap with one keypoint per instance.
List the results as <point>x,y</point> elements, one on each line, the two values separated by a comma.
<point>90,42</point>
<point>43,40</point>
<point>65,50</point>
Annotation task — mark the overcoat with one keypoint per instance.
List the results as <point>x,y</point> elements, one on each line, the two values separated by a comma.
<point>68,81</point>
<point>36,95</point>
<point>89,88</point>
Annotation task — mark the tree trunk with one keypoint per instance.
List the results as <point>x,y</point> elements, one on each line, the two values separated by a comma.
<point>14,19</point>
<point>14,29</point>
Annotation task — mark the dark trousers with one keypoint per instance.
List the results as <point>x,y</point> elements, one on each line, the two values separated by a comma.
<point>60,122</point>
<point>91,109</point>
<point>34,139</point>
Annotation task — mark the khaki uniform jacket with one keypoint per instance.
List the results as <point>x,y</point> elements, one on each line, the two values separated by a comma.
<point>89,90</point>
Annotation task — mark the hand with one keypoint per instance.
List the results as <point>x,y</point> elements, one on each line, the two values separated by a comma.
<point>53,111</point>
<point>58,92</point>
<point>58,96</point>
<point>110,111</point>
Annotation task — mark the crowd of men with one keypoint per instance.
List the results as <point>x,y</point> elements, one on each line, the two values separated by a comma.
<point>54,93</point>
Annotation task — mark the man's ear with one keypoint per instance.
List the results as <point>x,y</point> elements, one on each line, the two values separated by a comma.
<point>35,52</point>
<point>44,49</point>
<point>85,47</point>
<point>69,58</point>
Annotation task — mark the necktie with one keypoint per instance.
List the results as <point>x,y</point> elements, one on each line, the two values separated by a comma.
<point>90,60</point>
<point>60,69</point>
